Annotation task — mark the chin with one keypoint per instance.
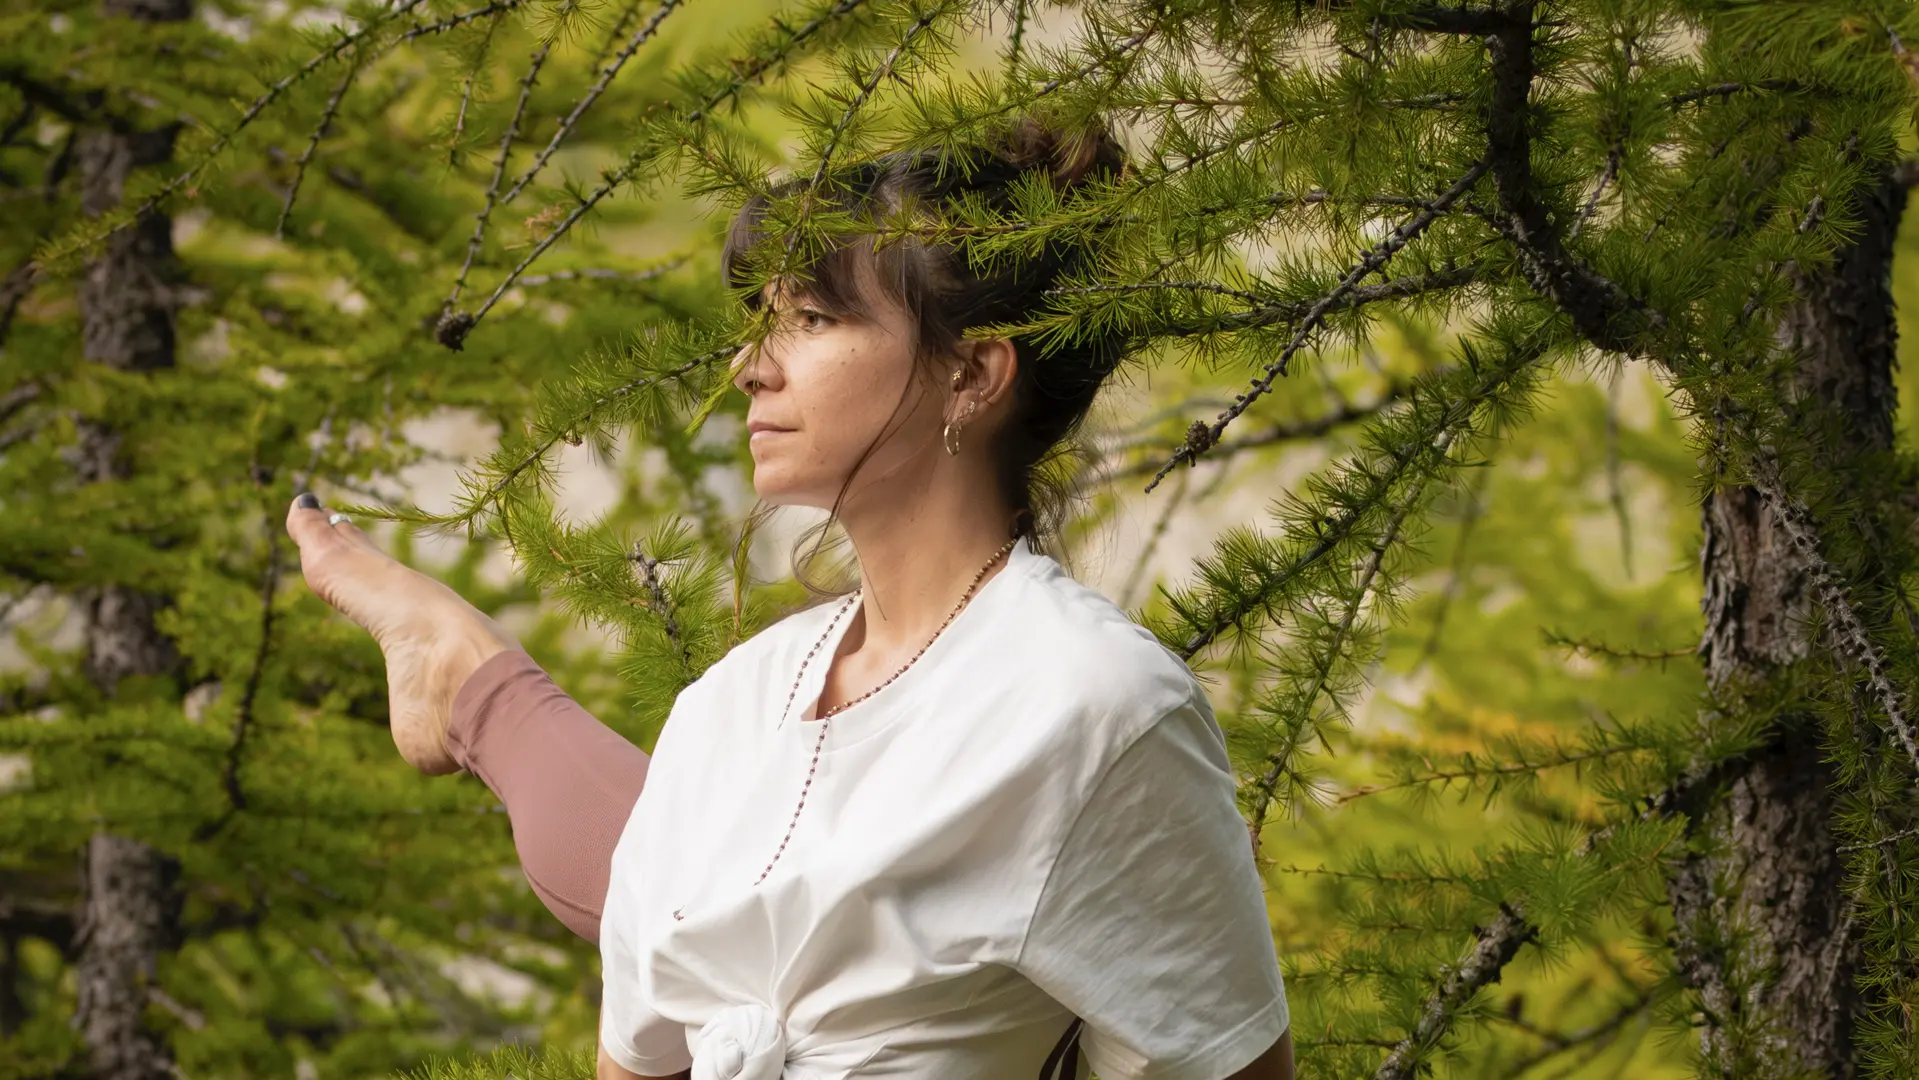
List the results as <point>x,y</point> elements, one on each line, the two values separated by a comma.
<point>777,492</point>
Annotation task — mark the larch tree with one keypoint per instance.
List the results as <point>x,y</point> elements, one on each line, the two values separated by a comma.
<point>212,863</point>
<point>1513,196</point>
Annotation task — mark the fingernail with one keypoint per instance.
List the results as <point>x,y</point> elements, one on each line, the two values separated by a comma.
<point>307,501</point>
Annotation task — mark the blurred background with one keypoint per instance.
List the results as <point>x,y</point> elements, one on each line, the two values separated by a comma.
<point>1559,592</point>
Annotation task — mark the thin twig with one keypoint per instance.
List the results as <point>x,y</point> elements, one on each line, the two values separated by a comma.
<point>499,172</point>
<point>1605,178</point>
<point>1018,37</point>
<point>1346,412</point>
<point>1456,573</point>
<point>1511,769</point>
<point>601,274</point>
<point>453,331</point>
<point>1269,312</point>
<point>454,22</point>
<point>1202,437</point>
<point>1165,518</point>
<point>1890,838</point>
<point>1279,763</point>
<point>466,94</point>
<point>313,144</point>
<point>243,713</point>
<point>1615,491</point>
<point>639,38</point>
<point>1588,647</point>
<point>1558,1043</point>
<point>506,479</point>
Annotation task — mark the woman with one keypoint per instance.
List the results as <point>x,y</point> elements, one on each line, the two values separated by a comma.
<point>961,824</point>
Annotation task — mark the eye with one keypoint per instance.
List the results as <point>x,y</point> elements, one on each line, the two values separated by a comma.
<point>805,313</point>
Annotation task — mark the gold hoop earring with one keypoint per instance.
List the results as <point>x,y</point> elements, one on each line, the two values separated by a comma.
<point>951,435</point>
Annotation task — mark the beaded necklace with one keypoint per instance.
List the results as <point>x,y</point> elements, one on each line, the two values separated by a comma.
<point>824,718</point>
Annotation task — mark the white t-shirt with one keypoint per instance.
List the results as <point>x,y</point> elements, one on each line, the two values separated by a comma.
<point>1035,821</point>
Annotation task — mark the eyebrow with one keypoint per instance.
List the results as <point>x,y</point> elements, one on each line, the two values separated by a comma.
<point>792,300</point>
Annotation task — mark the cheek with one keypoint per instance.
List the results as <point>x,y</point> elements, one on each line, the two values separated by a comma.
<point>856,394</point>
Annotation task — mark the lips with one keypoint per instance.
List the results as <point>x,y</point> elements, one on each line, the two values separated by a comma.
<point>757,426</point>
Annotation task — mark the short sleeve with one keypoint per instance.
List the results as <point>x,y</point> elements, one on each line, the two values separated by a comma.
<point>637,1038</point>
<point>1152,925</point>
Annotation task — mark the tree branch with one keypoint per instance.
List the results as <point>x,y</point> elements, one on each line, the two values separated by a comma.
<point>660,602</point>
<point>1616,321</point>
<point>454,328</point>
<point>1202,437</point>
<point>1475,22</point>
<point>1493,947</point>
<point>499,173</point>
<point>313,143</point>
<point>1803,534</point>
<point>639,38</point>
<point>1603,312</point>
<point>243,714</point>
<point>1346,412</point>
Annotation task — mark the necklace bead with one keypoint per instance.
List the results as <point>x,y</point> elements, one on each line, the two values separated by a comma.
<point>819,743</point>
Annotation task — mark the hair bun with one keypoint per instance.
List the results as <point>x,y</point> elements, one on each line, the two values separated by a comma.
<point>1069,154</point>
<point>1023,522</point>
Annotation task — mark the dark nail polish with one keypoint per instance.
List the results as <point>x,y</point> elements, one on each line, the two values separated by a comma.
<point>307,501</point>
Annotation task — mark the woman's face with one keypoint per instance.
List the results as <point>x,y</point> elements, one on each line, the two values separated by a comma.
<point>832,386</point>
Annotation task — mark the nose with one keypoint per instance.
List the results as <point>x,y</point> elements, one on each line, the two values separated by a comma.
<point>747,373</point>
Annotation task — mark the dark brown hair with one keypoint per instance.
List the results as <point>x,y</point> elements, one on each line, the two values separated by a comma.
<point>946,291</point>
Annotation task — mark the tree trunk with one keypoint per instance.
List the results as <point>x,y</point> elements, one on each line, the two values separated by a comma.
<point>1762,932</point>
<point>130,908</point>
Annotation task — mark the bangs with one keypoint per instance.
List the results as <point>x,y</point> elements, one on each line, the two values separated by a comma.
<point>849,280</point>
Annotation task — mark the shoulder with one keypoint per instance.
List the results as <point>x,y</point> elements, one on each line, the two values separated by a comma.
<point>1066,632</point>
<point>773,645</point>
<point>1062,680</point>
<point>734,685</point>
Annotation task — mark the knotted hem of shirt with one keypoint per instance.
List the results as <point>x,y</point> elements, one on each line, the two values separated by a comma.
<point>741,1042</point>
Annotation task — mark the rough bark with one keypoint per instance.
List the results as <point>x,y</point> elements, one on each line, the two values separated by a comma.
<point>130,904</point>
<point>131,917</point>
<point>1762,930</point>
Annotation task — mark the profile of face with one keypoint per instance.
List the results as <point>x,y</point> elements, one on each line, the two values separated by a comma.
<point>826,387</point>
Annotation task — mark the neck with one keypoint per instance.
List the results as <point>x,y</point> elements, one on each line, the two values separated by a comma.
<point>916,563</point>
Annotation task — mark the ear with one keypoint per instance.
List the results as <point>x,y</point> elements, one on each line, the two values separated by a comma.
<point>989,367</point>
